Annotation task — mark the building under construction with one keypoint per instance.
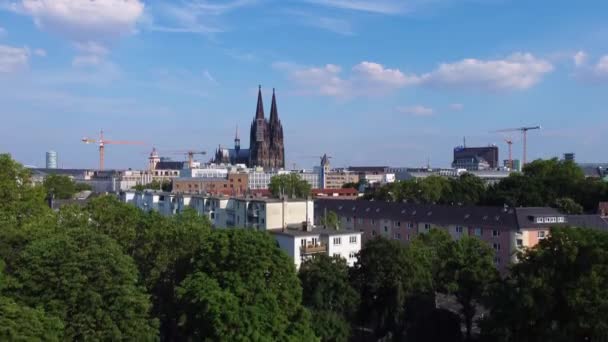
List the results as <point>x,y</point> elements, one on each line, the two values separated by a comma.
<point>475,158</point>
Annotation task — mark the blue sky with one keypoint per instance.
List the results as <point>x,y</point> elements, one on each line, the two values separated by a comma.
<point>391,82</point>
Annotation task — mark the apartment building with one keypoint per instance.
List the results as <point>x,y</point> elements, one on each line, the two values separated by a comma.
<point>289,221</point>
<point>303,244</point>
<point>506,230</point>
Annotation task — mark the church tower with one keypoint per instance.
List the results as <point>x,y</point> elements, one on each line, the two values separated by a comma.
<point>277,146</point>
<point>259,142</point>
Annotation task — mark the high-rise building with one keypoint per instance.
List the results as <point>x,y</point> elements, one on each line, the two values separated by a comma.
<point>51,160</point>
<point>476,158</point>
<point>569,157</point>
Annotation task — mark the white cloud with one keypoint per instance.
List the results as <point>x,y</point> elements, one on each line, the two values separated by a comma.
<point>456,107</point>
<point>518,71</point>
<point>84,21</point>
<point>590,72</point>
<point>323,80</point>
<point>40,52</point>
<point>377,73</point>
<point>2,32</point>
<point>580,58</point>
<point>417,110</point>
<point>13,58</point>
<point>375,6</point>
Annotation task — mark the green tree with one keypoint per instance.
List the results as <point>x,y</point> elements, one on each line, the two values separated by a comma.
<point>243,287</point>
<point>21,201</point>
<point>291,185</point>
<point>22,323</point>
<point>24,214</point>
<point>467,189</point>
<point>84,278</point>
<point>165,185</point>
<point>568,206</point>
<point>330,220</point>
<point>120,221</point>
<point>432,251</point>
<point>386,277</point>
<point>469,275</point>
<point>163,250</point>
<point>556,292</point>
<point>328,293</point>
<point>59,186</point>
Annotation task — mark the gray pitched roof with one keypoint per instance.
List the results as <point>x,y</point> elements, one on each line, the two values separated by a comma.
<point>482,216</point>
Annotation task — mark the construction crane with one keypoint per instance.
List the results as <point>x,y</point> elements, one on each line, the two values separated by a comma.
<point>190,154</point>
<point>524,132</point>
<point>509,141</point>
<point>103,142</point>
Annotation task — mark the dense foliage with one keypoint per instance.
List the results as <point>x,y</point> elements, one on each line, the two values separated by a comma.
<point>289,185</point>
<point>165,185</point>
<point>109,271</point>
<point>329,295</point>
<point>555,183</point>
<point>62,187</point>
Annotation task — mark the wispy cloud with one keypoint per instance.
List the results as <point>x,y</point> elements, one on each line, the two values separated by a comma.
<point>191,16</point>
<point>332,24</point>
<point>2,32</point>
<point>13,59</point>
<point>209,77</point>
<point>417,110</point>
<point>457,107</point>
<point>371,6</point>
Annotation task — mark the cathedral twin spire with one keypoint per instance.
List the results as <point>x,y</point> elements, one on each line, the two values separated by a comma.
<point>266,144</point>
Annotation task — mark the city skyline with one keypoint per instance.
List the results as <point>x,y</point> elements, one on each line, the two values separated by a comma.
<point>384,83</point>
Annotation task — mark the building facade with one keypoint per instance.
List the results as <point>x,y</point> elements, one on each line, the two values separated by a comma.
<point>506,230</point>
<point>51,160</point>
<point>233,184</point>
<point>289,221</point>
<point>475,158</point>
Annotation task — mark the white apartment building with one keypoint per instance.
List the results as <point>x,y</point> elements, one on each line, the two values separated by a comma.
<point>289,221</point>
<point>302,244</point>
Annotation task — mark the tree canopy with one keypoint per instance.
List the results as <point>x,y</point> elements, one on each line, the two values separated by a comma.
<point>82,277</point>
<point>557,292</point>
<point>327,292</point>
<point>243,287</point>
<point>290,185</point>
<point>552,182</point>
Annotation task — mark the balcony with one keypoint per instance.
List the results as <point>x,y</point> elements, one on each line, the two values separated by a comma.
<point>313,249</point>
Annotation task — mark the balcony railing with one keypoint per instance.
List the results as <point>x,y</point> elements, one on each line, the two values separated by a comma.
<point>313,249</point>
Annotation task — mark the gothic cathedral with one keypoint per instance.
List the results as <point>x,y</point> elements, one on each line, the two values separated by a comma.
<point>266,147</point>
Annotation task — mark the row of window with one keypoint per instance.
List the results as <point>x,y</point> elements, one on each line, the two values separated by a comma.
<point>338,240</point>
<point>351,255</point>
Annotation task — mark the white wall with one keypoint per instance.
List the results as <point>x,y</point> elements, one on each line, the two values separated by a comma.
<point>346,248</point>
